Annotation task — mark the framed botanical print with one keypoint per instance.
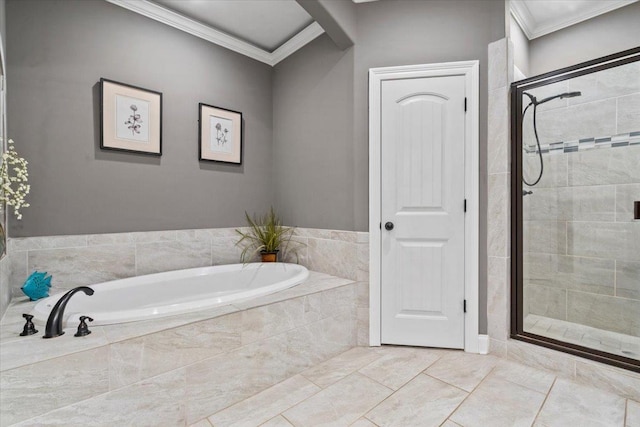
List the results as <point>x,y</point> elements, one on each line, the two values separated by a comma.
<point>130,118</point>
<point>220,134</point>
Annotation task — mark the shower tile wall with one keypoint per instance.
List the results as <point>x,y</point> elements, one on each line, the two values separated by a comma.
<point>582,247</point>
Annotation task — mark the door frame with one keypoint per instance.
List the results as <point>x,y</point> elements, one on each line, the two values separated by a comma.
<point>470,70</point>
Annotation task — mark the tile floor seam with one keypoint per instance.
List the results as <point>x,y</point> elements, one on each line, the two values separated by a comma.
<point>443,381</point>
<point>285,417</point>
<point>368,419</point>
<point>469,393</point>
<point>385,399</point>
<point>355,370</point>
<point>626,411</point>
<point>347,376</point>
<point>197,422</point>
<point>263,390</point>
<point>269,420</point>
<point>372,379</point>
<point>312,382</point>
<point>474,388</point>
<point>403,384</point>
<point>545,400</point>
<point>303,400</point>
<point>529,388</point>
<point>396,391</point>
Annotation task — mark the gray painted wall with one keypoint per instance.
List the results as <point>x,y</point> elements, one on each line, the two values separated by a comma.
<point>3,24</point>
<point>312,137</point>
<point>5,291</point>
<point>328,186</point>
<point>58,51</point>
<point>612,32</point>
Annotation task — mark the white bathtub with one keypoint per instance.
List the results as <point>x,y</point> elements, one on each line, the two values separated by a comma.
<point>174,292</point>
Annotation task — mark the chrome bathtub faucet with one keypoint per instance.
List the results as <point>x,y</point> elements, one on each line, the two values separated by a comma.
<point>54,323</point>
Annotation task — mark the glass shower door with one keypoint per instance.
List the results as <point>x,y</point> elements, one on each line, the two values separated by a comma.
<point>577,239</point>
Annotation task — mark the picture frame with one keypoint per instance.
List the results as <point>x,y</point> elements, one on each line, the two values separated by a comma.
<point>130,118</point>
<point>219,134</point>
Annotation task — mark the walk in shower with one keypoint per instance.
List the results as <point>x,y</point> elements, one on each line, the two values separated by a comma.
<point>576,209</point>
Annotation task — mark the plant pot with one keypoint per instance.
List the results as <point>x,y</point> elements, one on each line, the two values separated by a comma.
<point>269,256</point>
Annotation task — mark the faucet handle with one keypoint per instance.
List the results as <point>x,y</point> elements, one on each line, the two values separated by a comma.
<point>29,327</point>
<point>83,329</point>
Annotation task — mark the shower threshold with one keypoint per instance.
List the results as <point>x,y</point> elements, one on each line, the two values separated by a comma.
<point>587,336</point>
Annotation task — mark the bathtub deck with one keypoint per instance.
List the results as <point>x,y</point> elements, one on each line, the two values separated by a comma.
<point>180,368</point>
<point>16,351</point>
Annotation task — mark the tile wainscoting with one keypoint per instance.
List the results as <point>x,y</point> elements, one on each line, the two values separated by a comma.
<point>619,381</point>
<point>77,260</point>
<point>5,289</point>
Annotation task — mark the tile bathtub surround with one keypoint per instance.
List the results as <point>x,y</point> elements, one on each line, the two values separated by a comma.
<point>17,351</point>
<point>209,364</point>
<point>90,259</point>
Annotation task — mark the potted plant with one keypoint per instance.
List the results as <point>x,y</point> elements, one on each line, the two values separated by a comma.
<point>265,235</point>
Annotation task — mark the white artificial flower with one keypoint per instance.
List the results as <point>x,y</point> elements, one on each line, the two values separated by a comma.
<point>14,197</point>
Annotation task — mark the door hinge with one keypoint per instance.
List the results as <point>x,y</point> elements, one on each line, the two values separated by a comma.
<point>464,306</point>
<point>465,205</point>
<point>380,226</point>
<point>465,104</point>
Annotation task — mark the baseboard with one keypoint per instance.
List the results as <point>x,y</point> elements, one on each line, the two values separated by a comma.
<point>483,344</point>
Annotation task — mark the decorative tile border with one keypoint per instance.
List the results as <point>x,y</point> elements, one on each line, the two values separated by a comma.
<point>622,140</point>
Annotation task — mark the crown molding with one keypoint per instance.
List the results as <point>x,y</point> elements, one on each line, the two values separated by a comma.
<point>205,32</point>
<point>532,29</point>
<point>523,17</point>
<point>296,42</point>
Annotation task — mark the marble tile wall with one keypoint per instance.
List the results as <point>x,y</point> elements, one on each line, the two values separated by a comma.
<point>591,278</point>
<point>499,162</point>
<point>183,374</point>
<point>582,247</point>
<point>89,259</point>
<point>608,106</point>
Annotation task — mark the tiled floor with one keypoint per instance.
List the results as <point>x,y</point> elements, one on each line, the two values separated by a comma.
<point>611,342</point>
<point>404,386</point>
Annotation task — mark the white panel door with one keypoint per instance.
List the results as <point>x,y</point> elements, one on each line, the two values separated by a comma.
<point>422,174</point>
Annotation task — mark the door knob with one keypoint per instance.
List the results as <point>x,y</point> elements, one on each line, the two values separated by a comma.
<point>388,226</point>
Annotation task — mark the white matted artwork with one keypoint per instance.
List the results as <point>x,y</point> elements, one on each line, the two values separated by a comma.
<point>130,118</point>
<point>220,136</point>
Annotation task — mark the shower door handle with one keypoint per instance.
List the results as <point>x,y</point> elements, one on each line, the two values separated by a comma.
<point>388,226</point>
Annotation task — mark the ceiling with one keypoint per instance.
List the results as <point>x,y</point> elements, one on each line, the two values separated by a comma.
<point>540,17</point>
<point>265,30</point>
<point>271,30</point>
<point>265,24</point>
